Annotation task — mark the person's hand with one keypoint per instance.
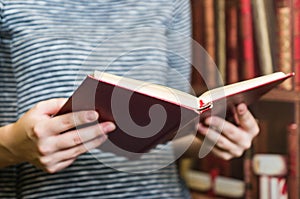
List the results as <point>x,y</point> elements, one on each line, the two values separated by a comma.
<point>53,143</point>
<point>231,140</point>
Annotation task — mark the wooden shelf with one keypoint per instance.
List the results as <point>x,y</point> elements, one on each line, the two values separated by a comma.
<point>282,96</point>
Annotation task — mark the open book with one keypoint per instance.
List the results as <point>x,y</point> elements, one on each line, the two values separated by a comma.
<point>148,114</point>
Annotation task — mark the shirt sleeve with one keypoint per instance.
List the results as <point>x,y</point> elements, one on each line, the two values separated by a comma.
<point>179,46</point>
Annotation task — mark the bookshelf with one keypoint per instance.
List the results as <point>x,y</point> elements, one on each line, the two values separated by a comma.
<point>278,112</point>
<point>279,109</point>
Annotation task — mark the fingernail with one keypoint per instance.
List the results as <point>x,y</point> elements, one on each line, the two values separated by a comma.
<point>241,109</point>
<point>91,115</point>
<point>200,126</point>
<point>108,127</point>
<point>201,129</point>
<point>208,120</point>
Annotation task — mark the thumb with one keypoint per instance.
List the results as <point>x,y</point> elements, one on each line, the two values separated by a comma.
<point>245,119</point>
<point>51,106</point>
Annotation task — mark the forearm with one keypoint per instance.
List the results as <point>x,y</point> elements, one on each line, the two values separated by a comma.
<point>181,148</point>
<point>6,157</point>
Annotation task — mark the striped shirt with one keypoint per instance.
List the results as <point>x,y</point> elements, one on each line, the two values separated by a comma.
<point>47,46</point>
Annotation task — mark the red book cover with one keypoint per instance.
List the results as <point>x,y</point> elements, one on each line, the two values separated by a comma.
<point>138,127</point>
<point>148,114</point>
<point>246,32</point>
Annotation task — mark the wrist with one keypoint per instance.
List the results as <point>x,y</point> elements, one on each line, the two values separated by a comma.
<point>6,155</point>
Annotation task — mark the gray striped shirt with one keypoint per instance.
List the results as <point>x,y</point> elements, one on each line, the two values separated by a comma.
<point>47,46</point>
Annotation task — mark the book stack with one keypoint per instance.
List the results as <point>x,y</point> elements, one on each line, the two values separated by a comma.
<point>272,172</point>
<point>211,185</point>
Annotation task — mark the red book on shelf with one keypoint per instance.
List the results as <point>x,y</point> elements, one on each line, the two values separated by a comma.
<point>246,32</point>
<point>293,160</point>
<point>198,68</point>
<point>148,114</point>
<point>232,72</point>
<point>209,43</point>
<point>296,42</point>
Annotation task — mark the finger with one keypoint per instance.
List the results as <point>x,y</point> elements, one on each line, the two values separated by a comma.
<point>210,139</point>
<point>222,154</point>
<point>233,133</point>
<point>79,136</point>
<point>64,158</point>
<point>55,167</point>
<point>62,123</point>
<point>246,120</point>
<point>59,166</point>
<point>221,142</point>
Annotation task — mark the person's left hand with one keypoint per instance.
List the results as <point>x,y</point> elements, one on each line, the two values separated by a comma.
<point>231,140</point>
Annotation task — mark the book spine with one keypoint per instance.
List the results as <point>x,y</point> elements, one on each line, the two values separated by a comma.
<point>293,157</point>
<point>272,29</point>
<point>221,37</point>
<point>246,31</point>
<point>264,187</point>
<point>198,68</point>
<point>273,184</point>
<point>273,187</point>
<point>250,187</point>
<point>262,37</point>
<point>210,44</point>
<point>283,11</point>
<point>261,141</point>
<point>232,56</point>
<point>296,43</point>
<point>270,164</point>
<point>278,188</point>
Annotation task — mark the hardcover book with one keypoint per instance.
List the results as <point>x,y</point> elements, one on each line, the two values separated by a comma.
<point>232,43</point>
<point>262,37</point>
<point>148,114</point>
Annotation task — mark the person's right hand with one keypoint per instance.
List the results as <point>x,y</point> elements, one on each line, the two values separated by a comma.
<point>37,137</point>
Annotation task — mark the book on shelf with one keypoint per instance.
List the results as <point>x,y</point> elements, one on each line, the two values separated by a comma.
<point>272,171</point>
<point>209,43</point>
<point>249,178</point>
<point>272,29</point>
<point>293,160</point>
<point>296,41</point>
<point>232,45</point>
<point>219,185</point>
<point>264,191</point>
<point>221,37</point>
<point>272,187</point>
<point>148,114</point>
<point>284,37</point>
<point>262,37</point>
<point>248,69</point>
<point>270,164</point>
<point>261,141</point>
<point>197,81</point>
